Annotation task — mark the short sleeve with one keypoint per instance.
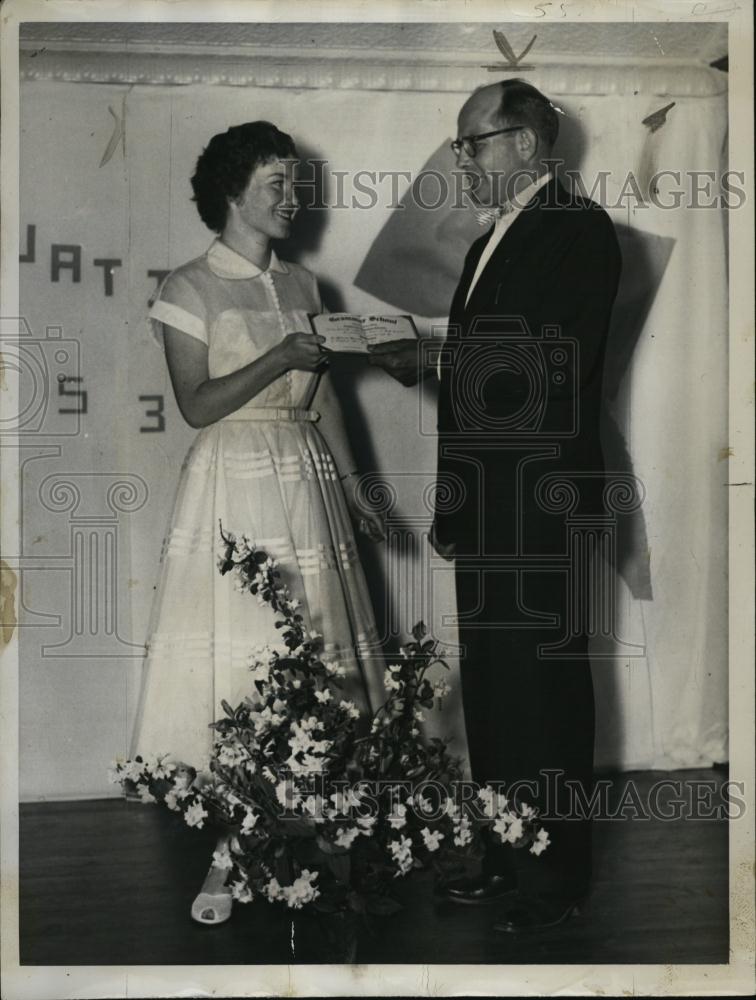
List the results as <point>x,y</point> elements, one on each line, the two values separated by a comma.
<point>179,304</point>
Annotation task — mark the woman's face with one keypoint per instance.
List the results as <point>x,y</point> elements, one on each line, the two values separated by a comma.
<point>268,203</point>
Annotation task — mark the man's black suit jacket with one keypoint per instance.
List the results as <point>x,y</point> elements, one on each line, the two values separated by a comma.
<point>521,379</point>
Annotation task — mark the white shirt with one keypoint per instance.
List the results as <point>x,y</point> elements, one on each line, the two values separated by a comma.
<point>502,224</point>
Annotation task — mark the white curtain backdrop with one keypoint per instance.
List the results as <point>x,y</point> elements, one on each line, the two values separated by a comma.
<point>669,708</point>
<point>664,708</point>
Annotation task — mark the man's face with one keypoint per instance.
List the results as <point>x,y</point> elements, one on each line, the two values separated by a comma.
<point>268,203</point>
<point>496,159</point>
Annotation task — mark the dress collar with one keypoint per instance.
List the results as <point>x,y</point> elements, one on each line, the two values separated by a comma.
<point>227,263</point>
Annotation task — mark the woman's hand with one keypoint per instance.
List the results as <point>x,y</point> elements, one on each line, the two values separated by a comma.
<point>303,352</point>
<point>368,522</point>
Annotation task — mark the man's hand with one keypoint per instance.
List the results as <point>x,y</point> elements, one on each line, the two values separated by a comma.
<point>445,551</point>
<point>400,358</point>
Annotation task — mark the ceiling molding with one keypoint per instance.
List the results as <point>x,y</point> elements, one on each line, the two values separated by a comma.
<point>340,69</point>
<point>627,40</point>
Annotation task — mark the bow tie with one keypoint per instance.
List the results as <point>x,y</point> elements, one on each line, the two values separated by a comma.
<point>485,216</point>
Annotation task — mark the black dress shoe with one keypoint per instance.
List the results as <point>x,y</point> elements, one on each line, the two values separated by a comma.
<point>477,891</point>
<point>536,913</point>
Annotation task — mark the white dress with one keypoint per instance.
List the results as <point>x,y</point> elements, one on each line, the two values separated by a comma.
<point>264,471</point>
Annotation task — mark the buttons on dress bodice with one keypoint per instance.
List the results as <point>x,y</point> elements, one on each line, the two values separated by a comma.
<point>270,284</point>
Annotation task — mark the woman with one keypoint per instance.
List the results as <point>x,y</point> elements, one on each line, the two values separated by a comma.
<point>244,371</point>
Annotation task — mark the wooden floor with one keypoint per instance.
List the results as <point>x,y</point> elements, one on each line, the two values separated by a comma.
<point>111,882</point>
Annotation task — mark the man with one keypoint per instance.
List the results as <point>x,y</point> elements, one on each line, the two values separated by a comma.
<point>518,439</point>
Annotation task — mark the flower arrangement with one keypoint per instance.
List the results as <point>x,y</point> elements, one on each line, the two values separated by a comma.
<point>324,807</point>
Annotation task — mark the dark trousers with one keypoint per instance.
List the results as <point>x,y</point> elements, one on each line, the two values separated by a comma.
<point>526,715</point>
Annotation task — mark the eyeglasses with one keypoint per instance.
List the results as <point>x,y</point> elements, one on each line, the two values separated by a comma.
<point>468,142</point>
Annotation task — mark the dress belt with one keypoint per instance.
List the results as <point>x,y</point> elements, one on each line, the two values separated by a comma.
<point>273,413</point>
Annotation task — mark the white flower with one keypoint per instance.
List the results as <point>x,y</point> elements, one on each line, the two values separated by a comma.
<point>313,806</point>
<point>345,800</point>
<point>114,775</point>
<point>395,667</point>
<point>323,696</point>
<point>287,794</point>
<point>486,797</point>
<point>296,683</point>
<point>310,723</point>
<point>222,859</point>
<point>309,764</point>
<point>335,669</point>
<point>431,838</point>
<point>398,817</point>
<point>350,708</point>
<point>527,811</point>
<point>132,770</point>
<point>302,890</point>
<point>424,804</point>
<point>241,892</point>
<point>515,829</point>
<point>260,671</point>
<point>266,719</point>
<point>462,832</point>
<point>273,890</point>
<point>441,688</point>
<point>414,731</point>
<point>229,755</point>
<point>300,740</point>
<point>418,713</point>
<point>502,804</point>
<point>172,797</point>
<point>279,706</point>
<point>161,768</point>
<point>509,828</point>
<point>541,842</point>
<point>250,821</point>
<point>345,836</point>
<point>451,808</point>
<point>366,824</point>
<point>145,794</point>
<point>401,851</point>
<point>390,682</point>
<point>195,815</point>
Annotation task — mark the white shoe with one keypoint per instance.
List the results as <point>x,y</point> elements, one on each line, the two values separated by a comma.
<point>212,907</point>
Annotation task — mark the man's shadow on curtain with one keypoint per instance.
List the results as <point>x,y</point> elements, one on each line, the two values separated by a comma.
<point>347,372</point>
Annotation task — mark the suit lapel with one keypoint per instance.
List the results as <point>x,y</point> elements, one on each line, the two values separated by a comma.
<point>457,309</point>
<point>523,231</point>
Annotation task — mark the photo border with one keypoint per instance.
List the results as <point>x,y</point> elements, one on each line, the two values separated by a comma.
<point>426,980</point>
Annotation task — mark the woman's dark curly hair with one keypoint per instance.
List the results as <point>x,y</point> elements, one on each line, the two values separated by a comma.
<point>224,166</point>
